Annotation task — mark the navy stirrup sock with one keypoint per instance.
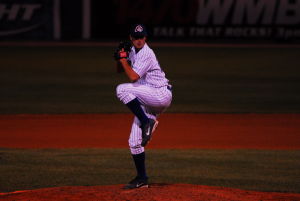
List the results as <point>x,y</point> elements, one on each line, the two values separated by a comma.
<point>136,109</point>
<point>139,161</point>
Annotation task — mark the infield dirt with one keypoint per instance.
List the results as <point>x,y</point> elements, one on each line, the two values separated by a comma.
<point>159,192</point>
<point>208,131</point>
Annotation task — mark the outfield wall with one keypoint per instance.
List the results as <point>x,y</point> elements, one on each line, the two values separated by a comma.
<point>172,20</point>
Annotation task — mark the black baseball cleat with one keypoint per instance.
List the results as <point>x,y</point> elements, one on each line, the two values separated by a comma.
<point>147,131</point>
<point>136,183</point>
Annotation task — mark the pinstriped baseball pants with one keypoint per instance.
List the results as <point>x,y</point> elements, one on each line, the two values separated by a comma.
<point>154,101</point>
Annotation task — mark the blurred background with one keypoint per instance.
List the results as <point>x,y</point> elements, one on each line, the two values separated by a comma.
<point>221,56</point>
<point>172,20</point>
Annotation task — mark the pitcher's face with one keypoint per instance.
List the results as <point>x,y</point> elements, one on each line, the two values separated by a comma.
<point>138,42</point>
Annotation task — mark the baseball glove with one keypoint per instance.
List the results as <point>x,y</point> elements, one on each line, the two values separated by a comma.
<point>119,54</point>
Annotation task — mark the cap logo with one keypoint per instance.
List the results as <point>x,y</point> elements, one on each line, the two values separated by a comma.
<point>138,28</point>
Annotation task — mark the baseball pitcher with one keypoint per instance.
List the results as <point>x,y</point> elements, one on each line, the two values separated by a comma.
<point>147,96</point>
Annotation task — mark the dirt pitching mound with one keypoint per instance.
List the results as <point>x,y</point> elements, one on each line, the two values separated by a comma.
<point>155,192</point>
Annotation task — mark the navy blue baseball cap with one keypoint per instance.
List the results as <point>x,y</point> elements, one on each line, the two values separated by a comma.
<point>138,31</point>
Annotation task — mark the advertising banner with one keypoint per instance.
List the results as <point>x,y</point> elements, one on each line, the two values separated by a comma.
<point>200,19</point>
<point>172,20</point>
<point>29,20</point>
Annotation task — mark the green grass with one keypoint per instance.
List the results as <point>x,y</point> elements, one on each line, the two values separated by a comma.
<point>260,170</point>
<point>210,80</point>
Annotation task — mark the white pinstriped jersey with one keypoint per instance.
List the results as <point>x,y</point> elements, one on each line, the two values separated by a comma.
<point>145,64</point>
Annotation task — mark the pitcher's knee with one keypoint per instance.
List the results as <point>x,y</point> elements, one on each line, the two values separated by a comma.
<point>120,90</point>
<point>134,143</point>
<point>123,93</point>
